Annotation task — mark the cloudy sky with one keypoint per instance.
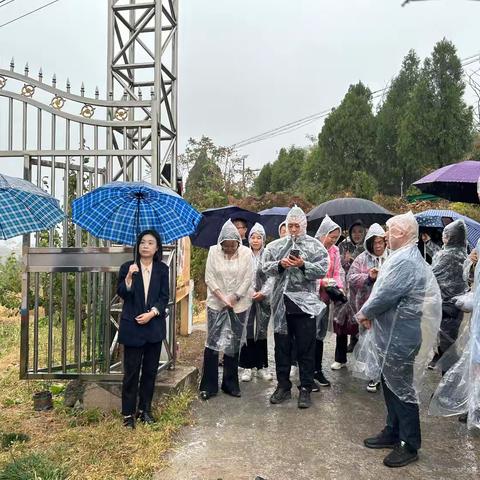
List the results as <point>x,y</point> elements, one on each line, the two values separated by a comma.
<point>247,66</point>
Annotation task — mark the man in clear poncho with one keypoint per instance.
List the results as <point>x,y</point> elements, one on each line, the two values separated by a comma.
<point>402,314</point>
<point>459,390</point>
<point>296,262</point>
<point>447,266</point>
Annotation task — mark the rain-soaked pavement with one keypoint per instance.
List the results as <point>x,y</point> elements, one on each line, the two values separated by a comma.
<point>242,438</point>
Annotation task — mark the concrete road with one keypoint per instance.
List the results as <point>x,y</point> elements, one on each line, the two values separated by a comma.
<point>240,439</point>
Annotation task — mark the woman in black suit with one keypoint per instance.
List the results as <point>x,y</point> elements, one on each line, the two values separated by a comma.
<point>144,288</point>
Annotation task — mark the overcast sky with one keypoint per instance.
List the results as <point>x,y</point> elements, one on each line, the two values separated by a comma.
<point>246,66</point>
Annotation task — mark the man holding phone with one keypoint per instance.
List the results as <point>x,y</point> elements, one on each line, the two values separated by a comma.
<point>296,262</point>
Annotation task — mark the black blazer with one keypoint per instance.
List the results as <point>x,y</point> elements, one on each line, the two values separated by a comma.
<point>131,333</point>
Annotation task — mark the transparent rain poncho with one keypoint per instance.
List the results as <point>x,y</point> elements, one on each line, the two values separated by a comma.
<point>359,282</point>
<point>335,277</point>
<point>232,280</point>
<point>299,285</point>
<point>259,315</point>
<point>405,310</point>
<point>448,263</point>
<point>459,390</point>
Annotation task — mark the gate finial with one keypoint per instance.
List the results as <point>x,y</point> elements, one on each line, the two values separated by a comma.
<point>82,90</point>
<point>54,80</point>
<point>12,64</point>
<point>40,75</point>
<point>26,69</point>
<point>96,92</point>
<point>68,85</point>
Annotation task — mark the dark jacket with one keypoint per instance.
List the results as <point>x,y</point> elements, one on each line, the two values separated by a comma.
<point>132,333</point>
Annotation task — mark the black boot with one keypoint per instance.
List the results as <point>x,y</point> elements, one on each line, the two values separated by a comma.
<point>321,379</point>
<point>463,418</point>
<point>385,439</point>
<point>129,421</point>
<point>402,455</point>
<point>280,395</point>
<point>145,417</point>
<point>304,400</point>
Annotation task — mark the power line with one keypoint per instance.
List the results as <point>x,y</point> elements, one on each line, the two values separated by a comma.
<point>28,13</point>
<point>295,125</point>
<point>3,4</point>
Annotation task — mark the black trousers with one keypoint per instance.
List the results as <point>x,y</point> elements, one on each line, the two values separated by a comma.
<point>301,329</point>
<point>451,320</point>
<point>403,419</point>
<point>341,345</point>
<point>136,359</point>
<point>318,355</point>
<point>209,382</point>
<point>254,354</point>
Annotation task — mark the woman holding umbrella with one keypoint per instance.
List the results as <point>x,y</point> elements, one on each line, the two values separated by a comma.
<point>228,275</point>
<point>144,287</point>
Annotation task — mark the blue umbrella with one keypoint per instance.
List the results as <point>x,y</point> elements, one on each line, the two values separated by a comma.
<point>119,211</point>
<point>441,218</point>
<point>271,218</point>
<point>213,220</point>
<point>25,208</point>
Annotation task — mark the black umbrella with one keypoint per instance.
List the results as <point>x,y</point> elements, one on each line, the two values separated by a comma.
<point>272,218</point>
<point>346,211</point>
<point>213,220</point>
<point>456,182</point>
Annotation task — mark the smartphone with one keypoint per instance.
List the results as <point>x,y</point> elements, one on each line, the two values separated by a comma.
<point>294,253</point>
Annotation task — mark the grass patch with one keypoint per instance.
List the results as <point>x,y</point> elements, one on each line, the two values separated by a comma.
<point>32,467</point>
<point>78,444</point>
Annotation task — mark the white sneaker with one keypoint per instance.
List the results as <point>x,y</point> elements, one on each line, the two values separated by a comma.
<point>373,387</point>
<point>264,374</point>
<point>338,365</point>
<point>246,375</point>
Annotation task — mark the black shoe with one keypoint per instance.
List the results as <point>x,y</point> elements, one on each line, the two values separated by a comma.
<point>384,439</point>
<point>204,395</point>
<point>232,393</point>
<point>463,418</point>
<point>145,417</point>
<point>401,456</point>
<point>280,395</point>
<point>315,387</point>
<point>433,362</point>
<point>304,400</point>
<point>129,421</point>
<point>351,345</point>
<point>320,378</point>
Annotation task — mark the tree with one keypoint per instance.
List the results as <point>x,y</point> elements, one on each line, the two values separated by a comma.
<point>11,283</point>
<point>204,187</point>
<point>364,185</point>
<point>264,180</point>
<point>437,127</point>
<point>348,137</point>
<point>389,168</point>
<point>287,169</point>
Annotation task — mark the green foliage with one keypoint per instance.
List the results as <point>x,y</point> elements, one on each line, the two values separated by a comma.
<point>32,467</point>
<point>197,271</point>
<point>390,169</point>
<point>263,182</point>
<point>287,169</point>
<point>437,126</point>
<point>363,185</point>
<point>348,137</point>
<point>8,439</point>
<point>11,283</point>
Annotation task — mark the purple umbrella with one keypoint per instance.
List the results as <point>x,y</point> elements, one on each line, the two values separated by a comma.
<point>457,182</point>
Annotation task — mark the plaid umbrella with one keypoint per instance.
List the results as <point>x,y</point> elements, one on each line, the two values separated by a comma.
<point>441,218</point>
<point>25,208</point>
<point>119,211</point>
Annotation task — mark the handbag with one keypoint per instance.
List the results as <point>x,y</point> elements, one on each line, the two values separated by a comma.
<point>336,295</point>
